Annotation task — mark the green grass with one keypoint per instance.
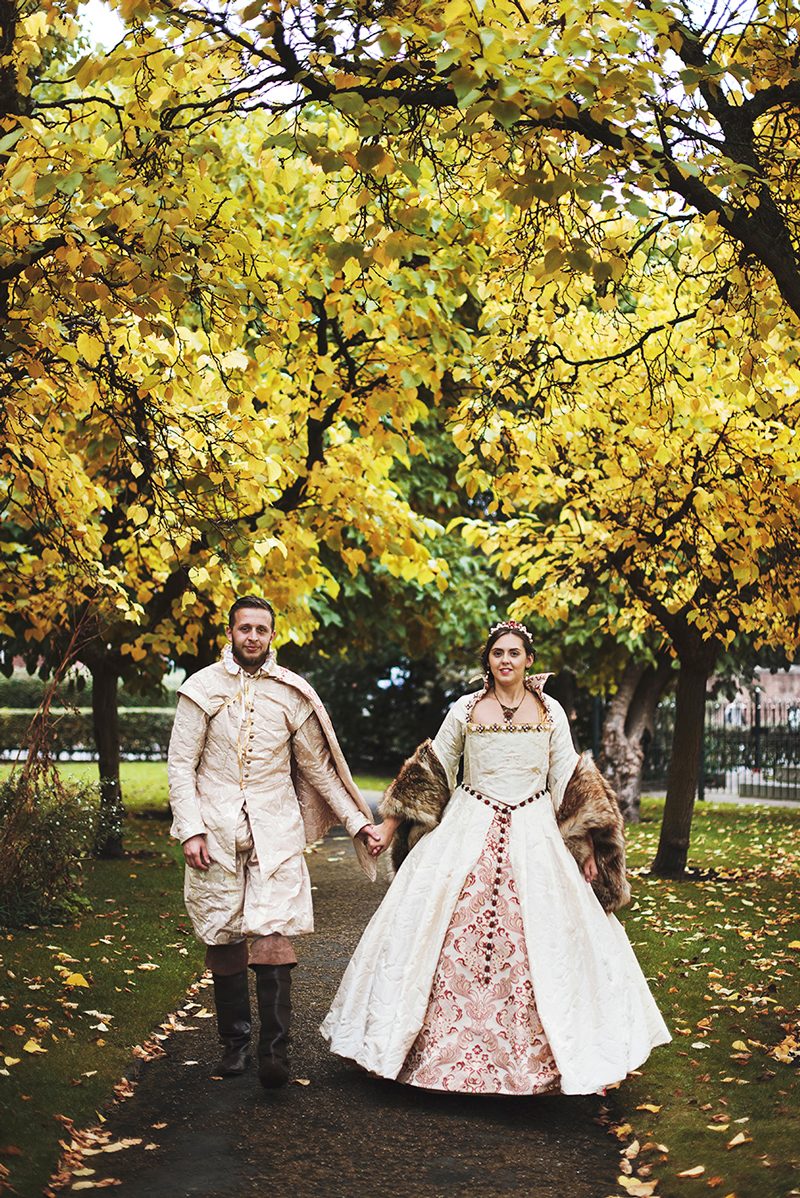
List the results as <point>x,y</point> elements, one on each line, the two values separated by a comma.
<point>144,783</point>
<point>724,972</point>
<point>136,922</point>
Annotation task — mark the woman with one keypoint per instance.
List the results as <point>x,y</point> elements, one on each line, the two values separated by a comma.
<point>494,964</point>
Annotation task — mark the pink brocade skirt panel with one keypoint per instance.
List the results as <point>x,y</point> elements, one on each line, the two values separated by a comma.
<point>482,1033</point>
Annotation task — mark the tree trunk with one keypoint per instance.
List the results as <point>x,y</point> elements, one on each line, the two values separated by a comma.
<point>106,734</point>
<point>630,717</point>
<point>690,702</point>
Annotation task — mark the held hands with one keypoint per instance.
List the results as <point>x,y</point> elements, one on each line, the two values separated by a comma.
<point>196,852</point>
<point>378,837</point>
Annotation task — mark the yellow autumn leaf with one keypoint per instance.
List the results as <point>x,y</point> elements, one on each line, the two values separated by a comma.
<point>697,1171</point>
<point>75,979</point>
<point>739,1138</point>
<point>32,1046</point>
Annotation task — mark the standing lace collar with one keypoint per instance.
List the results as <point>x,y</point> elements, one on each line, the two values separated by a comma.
<point>232,666</point>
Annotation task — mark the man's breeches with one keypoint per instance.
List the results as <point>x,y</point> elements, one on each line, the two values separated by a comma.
<point>227,909</point>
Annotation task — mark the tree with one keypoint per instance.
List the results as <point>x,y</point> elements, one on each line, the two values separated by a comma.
<point>571,116</point>
<point>502,185</point>
<point>205,387</point>
<point>675,518</point>
<point>571,113</point>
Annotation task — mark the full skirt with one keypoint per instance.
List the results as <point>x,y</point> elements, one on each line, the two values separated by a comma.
<point>490,967</point>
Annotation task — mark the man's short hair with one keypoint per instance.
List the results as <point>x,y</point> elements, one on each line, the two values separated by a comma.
<point>251,601</point>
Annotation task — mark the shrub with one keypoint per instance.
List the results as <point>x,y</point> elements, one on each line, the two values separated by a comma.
<point>144,733</point>
<point>48,828</point>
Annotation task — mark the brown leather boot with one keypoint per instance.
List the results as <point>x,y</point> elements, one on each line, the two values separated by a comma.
<point>232,1001</point>
<point>274,990</point>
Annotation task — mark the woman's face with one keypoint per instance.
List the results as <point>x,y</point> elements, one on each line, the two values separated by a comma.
<point>508,660</point>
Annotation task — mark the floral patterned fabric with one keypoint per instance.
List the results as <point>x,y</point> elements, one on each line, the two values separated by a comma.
<point>482,1033</point>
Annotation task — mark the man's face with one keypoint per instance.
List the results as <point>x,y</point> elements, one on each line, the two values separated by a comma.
<point>250,637</point>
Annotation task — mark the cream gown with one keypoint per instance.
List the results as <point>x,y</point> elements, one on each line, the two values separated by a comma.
<point>490,966</point>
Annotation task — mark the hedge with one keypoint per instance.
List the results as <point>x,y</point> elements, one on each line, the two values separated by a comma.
<point>144,732</point>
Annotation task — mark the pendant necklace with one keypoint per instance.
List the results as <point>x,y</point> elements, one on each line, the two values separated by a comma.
<point>508,712</point>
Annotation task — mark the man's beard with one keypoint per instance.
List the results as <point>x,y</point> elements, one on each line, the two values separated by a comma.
<point>257,659</point>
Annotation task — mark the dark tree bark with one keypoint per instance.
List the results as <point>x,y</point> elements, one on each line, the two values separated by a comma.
<point>629,718</point>
<point>690,701</point>
<point>105,716</point>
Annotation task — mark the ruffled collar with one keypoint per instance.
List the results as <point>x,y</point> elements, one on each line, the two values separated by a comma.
<point>232,666</point>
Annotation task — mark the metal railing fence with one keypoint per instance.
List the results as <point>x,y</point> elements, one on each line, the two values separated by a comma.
<point>751,748</point>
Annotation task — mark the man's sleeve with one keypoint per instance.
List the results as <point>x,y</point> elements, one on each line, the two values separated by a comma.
<point>185,750</point>
<point>313,758</point>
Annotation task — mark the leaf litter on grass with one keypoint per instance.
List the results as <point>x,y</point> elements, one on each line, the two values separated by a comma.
<point>720,953</point>
<point>97,1141</point>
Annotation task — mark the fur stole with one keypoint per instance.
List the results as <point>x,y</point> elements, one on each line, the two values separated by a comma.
<point>420,792</point>
<point>417,797</point>
<point>590,806</point>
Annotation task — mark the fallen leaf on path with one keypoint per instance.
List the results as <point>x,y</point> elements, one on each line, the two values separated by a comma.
<point>649,1106</point>
<point>635,1187</point>
<point>147,965</point>
<point>740,1138</point>
<point>102,1184</point>
<point>32,1046</point>
<point>302,1081</point>
<point>697,1171</point>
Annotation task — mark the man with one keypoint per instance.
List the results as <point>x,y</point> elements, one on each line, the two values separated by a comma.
<point>255,774</point>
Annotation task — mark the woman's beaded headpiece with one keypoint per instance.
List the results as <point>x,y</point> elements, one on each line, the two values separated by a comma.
<point>510,626</point>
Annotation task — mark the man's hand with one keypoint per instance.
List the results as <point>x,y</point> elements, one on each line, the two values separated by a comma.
<point>370,836</point>
<point>195,851</point>
<point>590,871</point>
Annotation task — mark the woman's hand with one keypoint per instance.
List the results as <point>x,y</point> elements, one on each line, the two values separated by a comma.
<point>590,870</point>
<point>381,836</point>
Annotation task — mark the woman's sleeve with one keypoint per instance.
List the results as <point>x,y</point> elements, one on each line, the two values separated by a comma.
<point>448,744</point>
<point>563,757</point>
